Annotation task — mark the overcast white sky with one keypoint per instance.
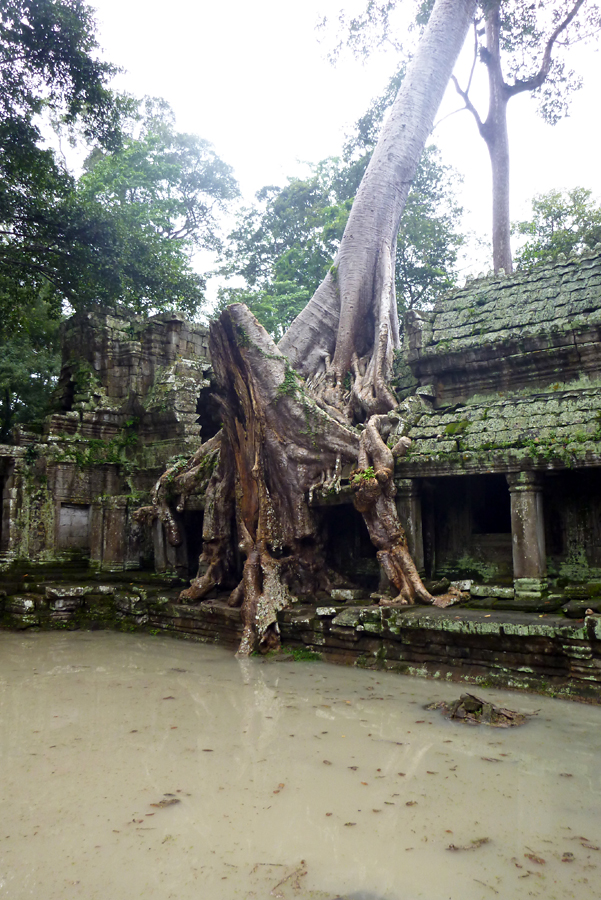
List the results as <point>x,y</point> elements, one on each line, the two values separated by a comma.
<point>252,78</point>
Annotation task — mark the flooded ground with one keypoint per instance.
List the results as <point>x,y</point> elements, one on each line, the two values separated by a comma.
<point>290,780</point>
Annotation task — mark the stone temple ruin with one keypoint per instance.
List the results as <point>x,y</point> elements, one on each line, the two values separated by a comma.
<point>500,490</point>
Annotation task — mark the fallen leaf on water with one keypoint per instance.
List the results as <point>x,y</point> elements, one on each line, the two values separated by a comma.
<point>376,810</point>
<point>389,802</point>
<point>168,698</point>
<point>209,750</point>
<point>350,823</point>
<point>401,773</point>
<point>565,775</point>
<point>535,859</point>
<point>568,857</point>
<point>490,759</point>
<point>431,773</point>
<point>327,762</point>
<point>411,803</point>
<point>163,803</point>
<point>328,814</point>
<point>364,782</point>
<point>589,846</point>
<point>354,768</point>
<point>473,845</point>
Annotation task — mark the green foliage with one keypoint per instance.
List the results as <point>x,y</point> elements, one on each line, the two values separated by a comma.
<point>48,61</point>
<point>300,654</point>
<point>525,29</point>
<point>29,365</point>
<point>367,474</point>
<point>562,222</point>
<point>290,385</point>
<point>123,233</point>
<point>159,194</point>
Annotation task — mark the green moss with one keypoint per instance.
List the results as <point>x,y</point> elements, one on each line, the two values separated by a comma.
<point>302,654</point>
<point>289,387</point>
<point>457,428</point>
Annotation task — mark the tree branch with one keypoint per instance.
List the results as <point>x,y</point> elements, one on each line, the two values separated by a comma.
<point>468,104</point>
<point>531,84</point>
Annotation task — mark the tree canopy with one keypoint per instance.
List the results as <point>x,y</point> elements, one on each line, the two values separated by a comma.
<point>562,222</point>
<point>126,230</point>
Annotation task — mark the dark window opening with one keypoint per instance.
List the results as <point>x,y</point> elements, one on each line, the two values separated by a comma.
<point>491,505</point>
<point>209,414</point>
<point>193,520</point>
<point>66,393</point>
<point>348,549</point>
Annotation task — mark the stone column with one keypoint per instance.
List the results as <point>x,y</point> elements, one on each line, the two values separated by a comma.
<point>527,529</point>
<point>409,508</point>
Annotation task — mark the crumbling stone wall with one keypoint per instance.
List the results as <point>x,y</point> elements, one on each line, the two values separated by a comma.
<point>127,402</point>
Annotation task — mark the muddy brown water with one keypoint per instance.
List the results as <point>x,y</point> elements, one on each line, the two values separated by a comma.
<point>293,780</point>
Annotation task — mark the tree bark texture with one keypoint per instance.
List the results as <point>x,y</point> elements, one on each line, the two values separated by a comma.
<point>290,413</point>
<point>351,324</point>
<point>494,132</point>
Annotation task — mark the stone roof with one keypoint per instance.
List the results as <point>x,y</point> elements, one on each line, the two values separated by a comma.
<point>557,297</point>
<point>548,429</point>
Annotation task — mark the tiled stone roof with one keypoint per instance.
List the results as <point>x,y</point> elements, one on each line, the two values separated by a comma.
<point>558,297</point>
<point>556,428</point>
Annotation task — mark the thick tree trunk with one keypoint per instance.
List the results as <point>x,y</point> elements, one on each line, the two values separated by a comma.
<point>494,132</point>
<point>351,324</point>
<point>281,442</point>
<point>289,414</point>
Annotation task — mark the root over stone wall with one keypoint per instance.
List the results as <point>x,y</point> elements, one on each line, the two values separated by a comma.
<point>547,654</point>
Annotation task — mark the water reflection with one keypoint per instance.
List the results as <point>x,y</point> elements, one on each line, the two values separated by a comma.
<point>291,780</point>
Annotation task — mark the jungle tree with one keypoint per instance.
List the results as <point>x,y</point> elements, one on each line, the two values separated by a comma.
<point>290,411</point>
<point>522,45</point>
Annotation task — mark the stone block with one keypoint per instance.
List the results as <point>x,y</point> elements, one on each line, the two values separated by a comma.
<point>64,591</point>
<point>491,590</point>
<point>344,594</point>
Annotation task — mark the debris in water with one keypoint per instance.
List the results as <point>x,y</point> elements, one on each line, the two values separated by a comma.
<point>473,845</point>
<point>472,710</point>
<point>166,802</point>
<point>296,875</point>
<point>535,859</point>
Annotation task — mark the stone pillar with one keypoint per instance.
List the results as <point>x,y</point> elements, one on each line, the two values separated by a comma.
<point>527,529</point>
<point>409,508</point>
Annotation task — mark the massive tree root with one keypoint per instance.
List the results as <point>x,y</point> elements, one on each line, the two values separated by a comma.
<point>281,433</point>
<point>373,485</point>
<point>280,441</point>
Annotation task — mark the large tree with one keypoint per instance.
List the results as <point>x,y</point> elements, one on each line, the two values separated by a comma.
<point>124,232</point>
<point>290,411</point>
<point>522,45</point>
